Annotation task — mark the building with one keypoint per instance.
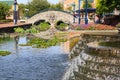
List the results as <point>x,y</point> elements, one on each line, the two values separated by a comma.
<point>67,4</point>
<point>11,4</point>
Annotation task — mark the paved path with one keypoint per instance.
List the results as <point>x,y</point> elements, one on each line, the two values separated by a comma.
<point>11,24</point>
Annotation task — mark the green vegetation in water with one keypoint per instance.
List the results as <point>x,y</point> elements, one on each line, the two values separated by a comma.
<point>115,44</point>
<point>43,43</point>
<point>4,53</point>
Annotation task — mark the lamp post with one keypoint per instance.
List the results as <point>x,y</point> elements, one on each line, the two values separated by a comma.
<point>15,12</point>
<point>86,12</point>
<point>73,12</point>
<point>79,11</point>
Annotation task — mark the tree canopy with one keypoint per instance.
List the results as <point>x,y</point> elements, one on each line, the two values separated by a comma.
<point>106,6</point>
<point>4,10</point>
<point>36,6</point>
<point>22,10</point>
<point>89,5</point>
<point>57,6</point>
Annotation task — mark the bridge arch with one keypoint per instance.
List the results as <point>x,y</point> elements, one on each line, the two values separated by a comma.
<point>52,16</point>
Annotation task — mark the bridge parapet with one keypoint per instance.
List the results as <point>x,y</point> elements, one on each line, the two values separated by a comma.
<point>52,16</point>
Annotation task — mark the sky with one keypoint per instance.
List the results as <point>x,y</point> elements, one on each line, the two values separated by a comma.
<point>25,1</point>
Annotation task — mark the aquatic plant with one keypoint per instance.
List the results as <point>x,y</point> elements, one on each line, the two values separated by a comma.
<point>4,53</point>
<point>43,43</point>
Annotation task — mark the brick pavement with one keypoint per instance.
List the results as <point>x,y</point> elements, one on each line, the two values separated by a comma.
<point>11,24</point>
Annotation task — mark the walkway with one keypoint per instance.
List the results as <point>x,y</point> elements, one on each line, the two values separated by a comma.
<point>11,24</point>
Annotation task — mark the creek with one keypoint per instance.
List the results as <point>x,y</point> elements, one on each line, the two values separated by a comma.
<point>27,63</point>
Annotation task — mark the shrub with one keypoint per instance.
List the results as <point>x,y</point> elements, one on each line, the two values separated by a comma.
<point>5,21</point>
<point>91,28</point>
<point>33,30</point>
<point>19,30</point>
<point>44,26</point>
<point>118,25</point>
<point>62,26</point>
<point>79,28</point>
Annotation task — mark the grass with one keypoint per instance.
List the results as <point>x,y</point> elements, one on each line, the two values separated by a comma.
<point>73,42</point>
<point>115,44</point>
<point>4,53</point>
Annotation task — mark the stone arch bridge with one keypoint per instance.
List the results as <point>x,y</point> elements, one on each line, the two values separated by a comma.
<point>52,16</point>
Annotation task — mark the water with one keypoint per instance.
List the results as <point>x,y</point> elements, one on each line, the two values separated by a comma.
<point>27,63</point>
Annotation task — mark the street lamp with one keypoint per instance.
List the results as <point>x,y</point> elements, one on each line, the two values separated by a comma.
<point>79,11</point>
<point>73,12</point>
<point>86,12</point>
<point>15,12</point>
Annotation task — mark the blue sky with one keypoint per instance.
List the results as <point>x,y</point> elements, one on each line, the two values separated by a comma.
<point>25,1</point>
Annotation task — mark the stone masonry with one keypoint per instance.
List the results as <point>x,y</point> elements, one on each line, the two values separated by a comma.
<point>52,16</point>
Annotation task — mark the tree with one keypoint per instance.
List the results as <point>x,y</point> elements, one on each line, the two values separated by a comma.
<point>57,6</point>
<point>106,6</point>
<point>22,12</point>
<point>69,8</point>
<point>4,10</point>
<point>36,6</point>
<point>89,5</point>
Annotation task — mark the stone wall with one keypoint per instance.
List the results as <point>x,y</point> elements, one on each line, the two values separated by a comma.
<point>88,66</point>
<point>52,16</point>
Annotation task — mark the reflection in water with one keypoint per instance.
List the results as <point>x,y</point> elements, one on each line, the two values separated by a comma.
<point>16,38</point>
<point>66,46</point>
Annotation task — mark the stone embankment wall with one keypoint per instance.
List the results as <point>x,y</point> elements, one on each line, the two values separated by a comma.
<point>93,62</point>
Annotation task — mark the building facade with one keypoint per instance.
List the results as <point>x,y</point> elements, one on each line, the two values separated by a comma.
<point>11,4</point>
<point>67,4</point>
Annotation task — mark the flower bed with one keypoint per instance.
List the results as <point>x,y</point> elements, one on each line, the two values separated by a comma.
<point>100,27</point>
<point>93,27</point>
